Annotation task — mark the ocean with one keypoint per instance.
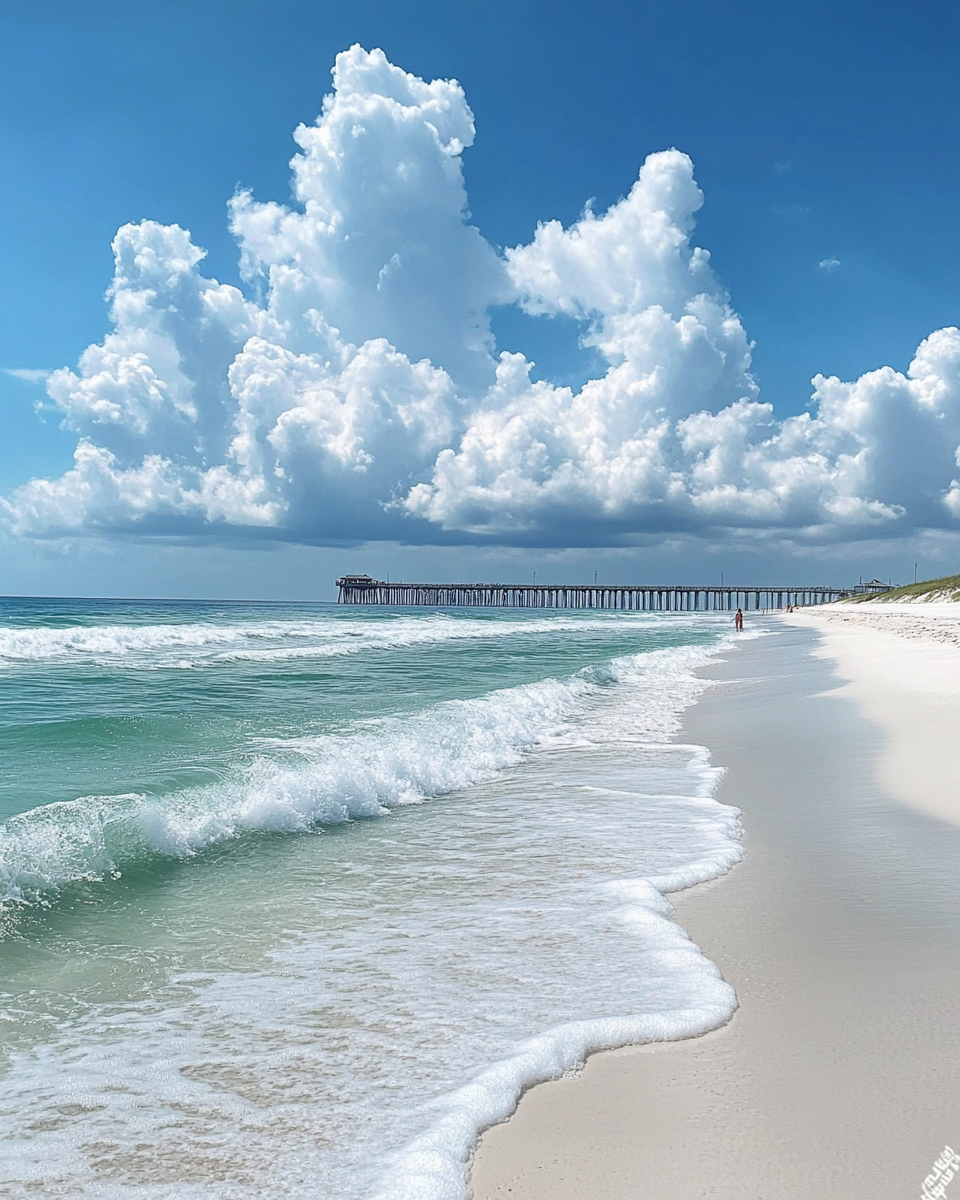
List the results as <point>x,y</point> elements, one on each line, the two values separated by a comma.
<point>296,899</point>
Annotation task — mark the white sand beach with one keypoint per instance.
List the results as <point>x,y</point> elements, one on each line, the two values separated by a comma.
<point>901,664</point>
<point>839,1076</point>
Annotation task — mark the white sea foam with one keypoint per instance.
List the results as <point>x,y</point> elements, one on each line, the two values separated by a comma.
<point>426,976</point>
<point>366,1057</point>
<point>325,780</point>
<point>187,645</point>
<point>435,1165</point>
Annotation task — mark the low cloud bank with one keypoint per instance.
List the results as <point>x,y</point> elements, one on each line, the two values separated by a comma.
<point>360,395</point>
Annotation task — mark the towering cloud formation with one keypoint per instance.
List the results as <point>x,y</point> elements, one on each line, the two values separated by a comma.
<point>363,398</point>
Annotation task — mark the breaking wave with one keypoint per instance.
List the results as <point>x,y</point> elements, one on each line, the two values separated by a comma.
<point>300,784</point>
<point>186,645</point>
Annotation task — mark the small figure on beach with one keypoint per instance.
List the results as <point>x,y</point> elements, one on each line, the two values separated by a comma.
<point>738,621</point>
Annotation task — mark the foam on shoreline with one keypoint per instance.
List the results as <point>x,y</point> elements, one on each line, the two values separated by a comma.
<point>345,1061</point>
<point>841,933</point>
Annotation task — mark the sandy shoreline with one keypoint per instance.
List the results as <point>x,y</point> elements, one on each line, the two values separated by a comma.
<point>840,931</point>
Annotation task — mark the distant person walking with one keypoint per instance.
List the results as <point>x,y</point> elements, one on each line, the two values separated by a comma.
<point>738,621</point>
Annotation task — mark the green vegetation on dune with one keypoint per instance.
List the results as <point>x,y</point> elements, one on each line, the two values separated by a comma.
<point>945,588</point>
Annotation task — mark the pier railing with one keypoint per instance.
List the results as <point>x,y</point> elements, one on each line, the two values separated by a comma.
<point>361,589</point>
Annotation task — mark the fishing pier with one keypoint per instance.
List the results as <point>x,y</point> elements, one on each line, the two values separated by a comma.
<point>362,589</point>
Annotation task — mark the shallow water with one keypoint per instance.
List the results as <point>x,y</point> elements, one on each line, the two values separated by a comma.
<point>299,897</point>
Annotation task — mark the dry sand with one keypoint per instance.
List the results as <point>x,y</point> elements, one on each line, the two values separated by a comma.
<point>901,663</point>
<point>839,1078</point>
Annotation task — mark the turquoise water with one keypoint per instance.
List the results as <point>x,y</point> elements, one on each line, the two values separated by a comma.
<point>297,898</point>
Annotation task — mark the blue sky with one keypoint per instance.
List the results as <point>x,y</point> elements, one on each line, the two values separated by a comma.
<point>822,137</point>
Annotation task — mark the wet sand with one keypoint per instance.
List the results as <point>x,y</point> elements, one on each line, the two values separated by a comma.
<point>839,1077</point>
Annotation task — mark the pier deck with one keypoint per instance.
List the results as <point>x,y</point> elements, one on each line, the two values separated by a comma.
<point>361,589</point>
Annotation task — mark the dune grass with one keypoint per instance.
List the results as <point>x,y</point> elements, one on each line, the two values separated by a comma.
<point>945,588</point>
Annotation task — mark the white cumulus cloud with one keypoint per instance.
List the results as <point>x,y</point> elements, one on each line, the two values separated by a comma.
<point>354,391</point>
